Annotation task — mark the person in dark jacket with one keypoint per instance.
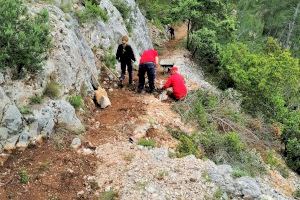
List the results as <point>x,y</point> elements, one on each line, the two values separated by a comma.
<point>172,32</point>
<point>126,56</point>
<point>148,64</point>
<point>177,83</point>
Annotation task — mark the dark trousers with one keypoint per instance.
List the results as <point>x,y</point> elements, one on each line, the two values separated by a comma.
<point>129,69</point>
<point>148,68</point>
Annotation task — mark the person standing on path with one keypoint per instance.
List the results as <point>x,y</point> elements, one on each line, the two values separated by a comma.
<point>148,64</point>
<point>177,83</point>
<point>172,32</point>
<point>126,56</point>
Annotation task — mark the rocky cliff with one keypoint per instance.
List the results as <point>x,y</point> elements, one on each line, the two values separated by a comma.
<point>71,63</point>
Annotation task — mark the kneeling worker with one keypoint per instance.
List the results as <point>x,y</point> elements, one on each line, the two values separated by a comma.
<point>176,81</point>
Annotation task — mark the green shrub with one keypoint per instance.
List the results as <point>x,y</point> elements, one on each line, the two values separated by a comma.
<point>187,147</point>
<point>205,47</point>
<point>76,101</point>
<point>52,90</point>
<point>66,6</point>
<point>24,40</point>
<point>218,194</point>
<point>109,59</point>
<point>268,82</point>
<point>293,154</point>
<point>237,173</point>
<point>25,110</point>
<point>123,8</point>
<point>272,160</point>
<point>23,176</point>
<point>297,193</point>
<point>233,143</point>
<point>36,99</point>
<point>147,142</point>
<point>92,12</point>
<point>109,195</point>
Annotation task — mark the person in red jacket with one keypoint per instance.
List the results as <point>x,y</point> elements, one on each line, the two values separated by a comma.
<point>148,64</point>
<point>176,81</point>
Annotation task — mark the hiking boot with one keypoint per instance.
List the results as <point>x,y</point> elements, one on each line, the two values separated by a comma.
<point>139,91</point>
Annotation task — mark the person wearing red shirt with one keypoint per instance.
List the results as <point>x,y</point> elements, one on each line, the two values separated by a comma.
<point>148,64</point>
<point>176,81</point>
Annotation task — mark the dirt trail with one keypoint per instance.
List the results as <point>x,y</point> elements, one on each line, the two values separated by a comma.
<point>173,45</point>
<point>55,171</point>
<point>128,110</point>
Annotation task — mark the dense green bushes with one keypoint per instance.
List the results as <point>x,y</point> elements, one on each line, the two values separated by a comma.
<point>158,11</point>
<point>91,12</point>
<point>293,154</point>
<point>269,82</point>
<point>24,40</point>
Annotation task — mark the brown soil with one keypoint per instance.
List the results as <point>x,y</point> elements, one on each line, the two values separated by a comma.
<point>54,171</point>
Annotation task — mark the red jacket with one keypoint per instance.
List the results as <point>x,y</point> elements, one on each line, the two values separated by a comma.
<point>149,56</point>
<point>176,81</point>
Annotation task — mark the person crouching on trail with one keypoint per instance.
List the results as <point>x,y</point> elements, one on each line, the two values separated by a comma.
<point>125,55</point>
<point>177,83</point>
<point>148,64</point>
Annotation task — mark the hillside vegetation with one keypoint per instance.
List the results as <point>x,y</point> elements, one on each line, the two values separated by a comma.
<point>252,47</point>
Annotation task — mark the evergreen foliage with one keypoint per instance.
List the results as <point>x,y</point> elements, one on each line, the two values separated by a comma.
<point>91,13</point>
<point>24,39</point>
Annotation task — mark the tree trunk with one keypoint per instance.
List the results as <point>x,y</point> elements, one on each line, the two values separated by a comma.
<point>292,26</point>
<point>188,34</point>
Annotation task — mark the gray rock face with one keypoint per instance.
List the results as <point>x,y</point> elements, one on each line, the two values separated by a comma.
<point>10,143</point>
<point>45,120</point>
<point>108,34</point>
<point>243,187</point>
<point>58,114</point>
<point>65,116</point>
<point>3,133</point>
<point>249,187</point>
<point>1,78</point>
<point>4,101</point>
<point>12,119</point>
<point>24,140</point>
<point>72,60</point>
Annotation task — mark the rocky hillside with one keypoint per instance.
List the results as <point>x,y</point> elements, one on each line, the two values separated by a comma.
<point>72,66</point>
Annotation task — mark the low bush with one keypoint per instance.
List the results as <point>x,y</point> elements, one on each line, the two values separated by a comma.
<point>24,39</point>
<point>147,142</point>
<point>109,195</point>
<point>123,8</point>
<point>25,110</point>
<point>237,173</point>
<point>36,99</point>
<point>229,149</point>
<point>109,59</point>
<point>293,154</point>
<point>92,12</point>
<point>66,6</point>
<point>297,193</point>
<point>52,90</point>
<point>187,147</point>
<point>23,176</point>
<point>76,101</point>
